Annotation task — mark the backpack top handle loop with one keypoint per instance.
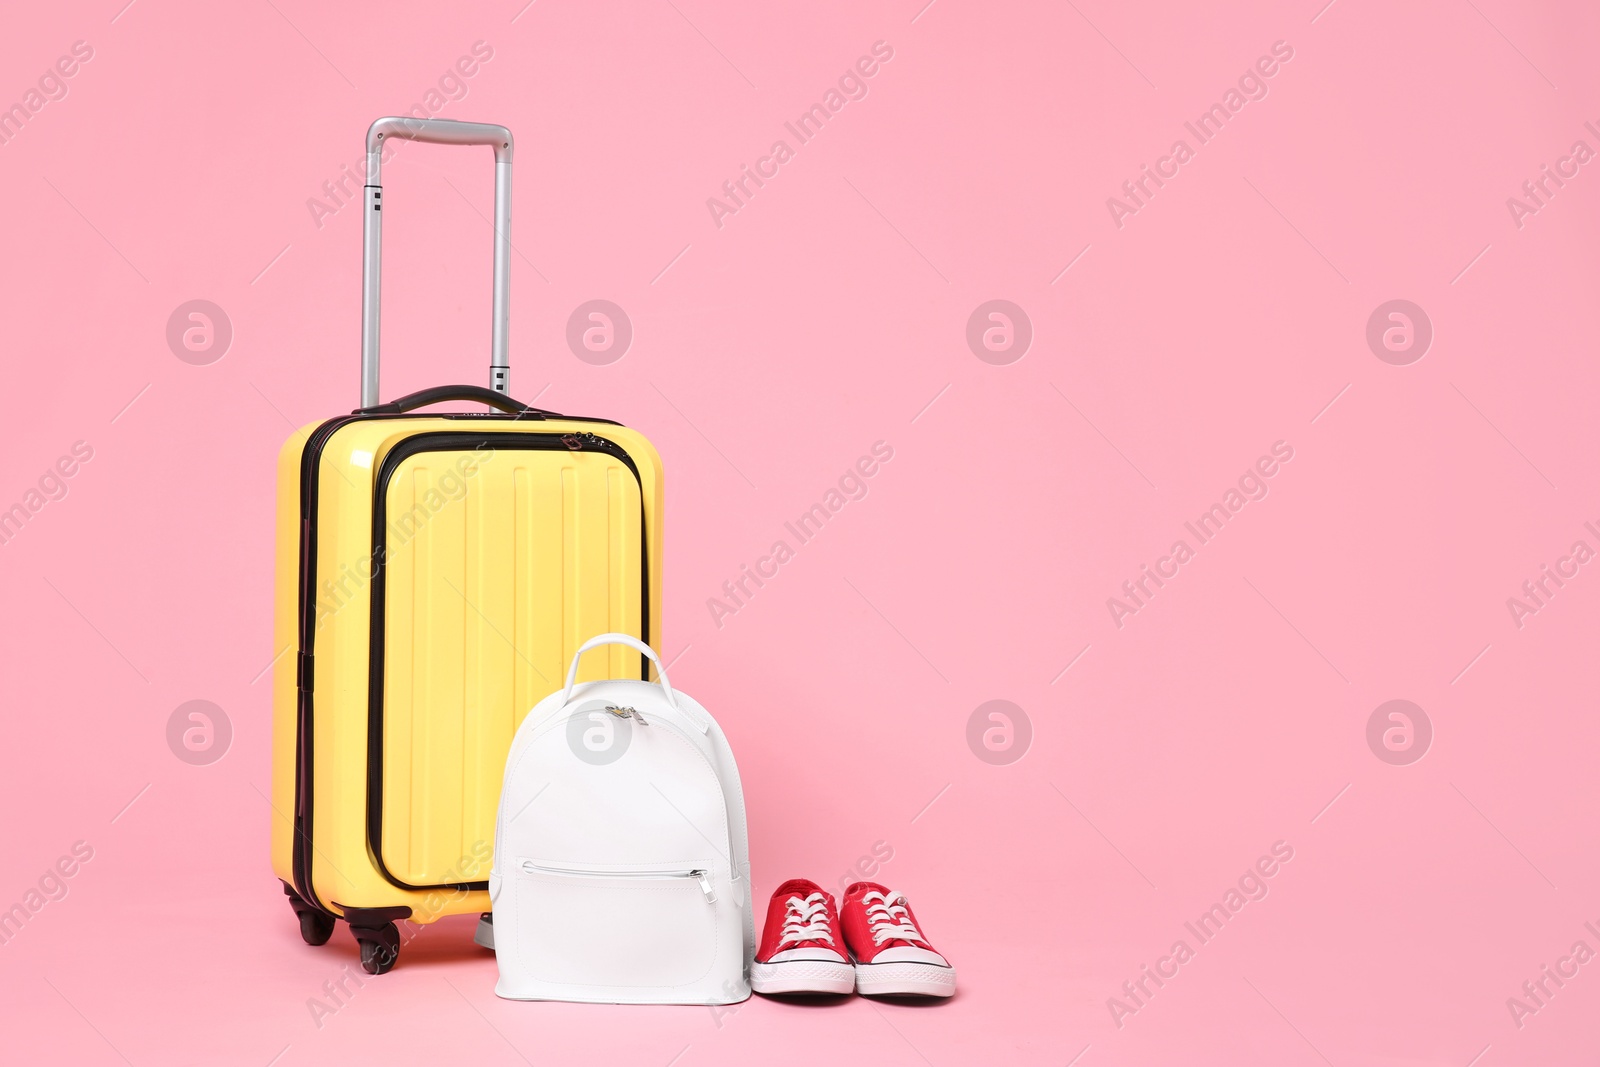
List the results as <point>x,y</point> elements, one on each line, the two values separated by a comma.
<point>633,643</point>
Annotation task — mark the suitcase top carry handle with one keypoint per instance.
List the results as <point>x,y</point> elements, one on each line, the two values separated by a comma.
<point>620,639</point>
<point>437,131</point>
<point>438,394</point>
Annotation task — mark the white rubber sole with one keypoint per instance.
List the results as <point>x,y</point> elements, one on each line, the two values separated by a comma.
<point>484,935</point>
<point>802,976</point>
<point>905,979</point>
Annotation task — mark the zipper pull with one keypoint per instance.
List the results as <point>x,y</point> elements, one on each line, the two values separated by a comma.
<point>705,886</point>
<point>626,713</point>
<point>572,441</point>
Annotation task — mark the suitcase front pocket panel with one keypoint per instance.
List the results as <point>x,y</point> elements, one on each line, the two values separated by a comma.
<point>501,554</point>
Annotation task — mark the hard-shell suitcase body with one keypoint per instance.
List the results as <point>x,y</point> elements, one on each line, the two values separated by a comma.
<point>435,575</point>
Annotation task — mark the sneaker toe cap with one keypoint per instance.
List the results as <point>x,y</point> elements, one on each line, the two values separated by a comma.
<point>908,954</point>
<point>810,955</point>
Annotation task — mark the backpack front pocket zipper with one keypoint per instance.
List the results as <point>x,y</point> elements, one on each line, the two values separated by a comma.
<point>698,874</point>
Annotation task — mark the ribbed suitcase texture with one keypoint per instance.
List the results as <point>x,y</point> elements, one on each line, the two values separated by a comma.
<point>435,575</point>
<point>539,553</point>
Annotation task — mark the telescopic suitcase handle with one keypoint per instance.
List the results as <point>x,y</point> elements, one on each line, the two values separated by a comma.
<point>437,131</point>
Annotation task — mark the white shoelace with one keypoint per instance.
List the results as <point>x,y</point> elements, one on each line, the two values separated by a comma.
<point>806,920</point>
<point>889,919</point>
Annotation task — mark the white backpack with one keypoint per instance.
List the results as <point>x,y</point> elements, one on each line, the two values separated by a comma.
<point>621,863</point>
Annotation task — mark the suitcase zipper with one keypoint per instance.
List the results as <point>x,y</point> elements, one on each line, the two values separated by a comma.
<point>698,874</point>
<point>301,853</point>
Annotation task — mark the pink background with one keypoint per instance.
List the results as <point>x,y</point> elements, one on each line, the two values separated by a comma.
<point>829,313</point>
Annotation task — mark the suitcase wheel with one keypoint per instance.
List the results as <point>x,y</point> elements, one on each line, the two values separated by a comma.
<point>315,927</point>
<point>373,929</point>
<point>380,947</point>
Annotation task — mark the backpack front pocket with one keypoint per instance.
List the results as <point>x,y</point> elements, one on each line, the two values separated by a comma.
<point>641,929</point>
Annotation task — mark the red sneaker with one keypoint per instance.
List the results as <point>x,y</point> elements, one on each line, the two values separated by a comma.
<point>892,955</point>
<point>800,950</point>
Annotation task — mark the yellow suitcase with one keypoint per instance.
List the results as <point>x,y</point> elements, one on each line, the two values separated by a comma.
<point>435,575</point>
